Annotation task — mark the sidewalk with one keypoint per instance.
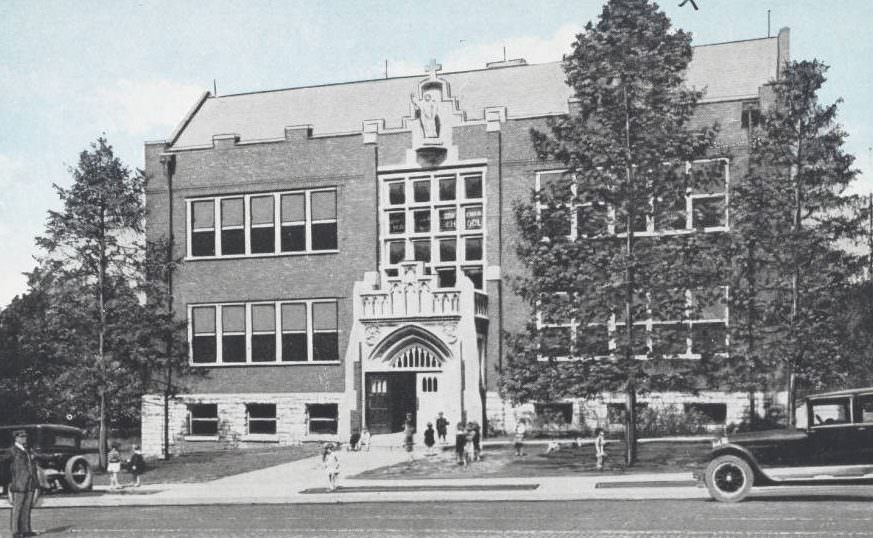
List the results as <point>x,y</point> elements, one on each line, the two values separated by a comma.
<point>304,481</point>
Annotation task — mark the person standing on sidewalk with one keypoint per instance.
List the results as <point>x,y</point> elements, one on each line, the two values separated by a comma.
<point>429,440</point>
<point>520,430</point>
<point>23,486</point>
<point>331,464</point>
<point>113,466</point>
<point>442,425</point>
<point>460,442</point>
<point>136,465</point>
<point>599,447</point>
<point>408,439</point>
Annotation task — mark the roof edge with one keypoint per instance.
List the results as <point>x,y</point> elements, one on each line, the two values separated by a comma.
<point>177,132</point>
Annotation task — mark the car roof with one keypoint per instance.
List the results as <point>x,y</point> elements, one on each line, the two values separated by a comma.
<point>837,393</point>
<point>62,427</point>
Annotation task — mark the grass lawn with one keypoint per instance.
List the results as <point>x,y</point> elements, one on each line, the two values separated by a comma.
<point>501,462</point>
<point>204,466</point>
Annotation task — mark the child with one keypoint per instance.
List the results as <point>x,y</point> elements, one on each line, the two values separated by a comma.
<point>429,440</point>
<point>408,441</point>
<point>136,465</point>
<point>554,446</point>
<point>599,447</point>
<point>520,430</point>
<point>442,424</point>
<point>355,440</point>
<point>331,464</point>
<point>460,441</point>
<point>468,445</point>
<point>477,437</point>
<point>365,440</point>
<point>114,466</point>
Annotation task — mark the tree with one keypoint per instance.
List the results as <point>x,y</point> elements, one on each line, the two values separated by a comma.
<point>792,218</point>
<point>594,283</point>
<point>92,243</point>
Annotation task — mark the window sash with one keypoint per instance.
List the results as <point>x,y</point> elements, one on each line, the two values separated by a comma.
<point>297,232</point>
<point>314,338</point>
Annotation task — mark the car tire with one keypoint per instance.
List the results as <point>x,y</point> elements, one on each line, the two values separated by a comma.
<point>729,478</point>
<point>77,474</point>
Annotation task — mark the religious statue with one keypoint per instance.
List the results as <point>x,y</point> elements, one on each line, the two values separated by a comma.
<point>426,111</point>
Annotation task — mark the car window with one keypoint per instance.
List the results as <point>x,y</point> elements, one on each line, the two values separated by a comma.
<point>864,408</point>
<point>827,412</point>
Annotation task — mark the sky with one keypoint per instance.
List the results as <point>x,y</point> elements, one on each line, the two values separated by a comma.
<point>130,70</point>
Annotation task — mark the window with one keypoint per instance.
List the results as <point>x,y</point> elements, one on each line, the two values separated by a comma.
<point>422,221</point>
<point>447,188</point>
<point>864,411</point>
<point>261,418</point>
<point>429,384</point>
<point>448,250</point>
<point>324,324</point>
<point>716,413</point>
<point>473,218</point>
<point>202,419</point>
<point>751,115</point>
<point>263,228</point>
<point>615,412</point>
<point>421,250</point>
<point>834,411</point>
<point>294,330</point>
<point>324,220</point>
<point>473,187</point>
<point>556,413</point>
<point>396,193</point>
<point>233,232</point>
<point>421,191</point>
<point>233,336</point>
<point>447,220</point>
<point>293,222</point>
<point>322,418</point>
<point>433,222</point>
<point>203,228</point>
<point>264,333</point>
<point>203,343</point>
<point>306,222</point>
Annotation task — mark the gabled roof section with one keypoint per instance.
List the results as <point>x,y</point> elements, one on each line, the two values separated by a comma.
<point>727,71</point>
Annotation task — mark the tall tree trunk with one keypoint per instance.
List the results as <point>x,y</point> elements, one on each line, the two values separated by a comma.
<point>630,425</point>
<point>795,290</point>
<point>101,336</point>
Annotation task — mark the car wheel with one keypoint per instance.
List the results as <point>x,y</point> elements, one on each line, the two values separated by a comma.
<point>729,478</point>
<point>77,474</point>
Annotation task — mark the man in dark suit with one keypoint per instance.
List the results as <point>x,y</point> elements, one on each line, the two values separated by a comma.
<point>23,486</point>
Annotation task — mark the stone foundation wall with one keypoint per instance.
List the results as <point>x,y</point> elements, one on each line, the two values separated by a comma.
<point>292,425</point>
<point>503,416</point>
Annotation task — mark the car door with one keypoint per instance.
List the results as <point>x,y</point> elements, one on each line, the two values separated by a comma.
<point>831,432</point>
<point>862,436</point>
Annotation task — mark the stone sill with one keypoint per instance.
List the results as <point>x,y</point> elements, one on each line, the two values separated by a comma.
<point>196,438</point>
<point>260,438</point>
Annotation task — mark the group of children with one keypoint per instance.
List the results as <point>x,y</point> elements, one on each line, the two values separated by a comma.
<point>135,466</point>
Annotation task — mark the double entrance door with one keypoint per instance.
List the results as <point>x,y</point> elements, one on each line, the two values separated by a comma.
<point>392,396</point>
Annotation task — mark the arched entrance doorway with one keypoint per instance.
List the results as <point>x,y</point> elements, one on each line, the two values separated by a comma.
<point>405,380</point>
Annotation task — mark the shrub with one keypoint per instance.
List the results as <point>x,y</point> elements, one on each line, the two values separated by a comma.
<point>670,420</point>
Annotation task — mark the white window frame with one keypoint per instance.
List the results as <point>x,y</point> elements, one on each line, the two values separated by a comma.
<point>435,207</point>
<point>249,332</point>
<point>274,420</point>
<point>189,435</point>
<point>247,225</point>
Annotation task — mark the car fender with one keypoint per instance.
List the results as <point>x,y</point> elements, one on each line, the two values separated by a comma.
<point>731,449</point>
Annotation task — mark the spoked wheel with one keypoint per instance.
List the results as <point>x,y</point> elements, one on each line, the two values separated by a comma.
<point>77,474</point>
<point>729,478</point>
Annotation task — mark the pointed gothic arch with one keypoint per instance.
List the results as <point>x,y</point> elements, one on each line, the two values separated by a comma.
<point>411,347</point>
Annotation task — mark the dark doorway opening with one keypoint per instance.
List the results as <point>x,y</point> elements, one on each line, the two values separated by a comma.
<point>390,398</point>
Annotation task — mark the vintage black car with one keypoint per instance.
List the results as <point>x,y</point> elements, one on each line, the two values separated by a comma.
<point>58,453</point>
<point>831,444</point>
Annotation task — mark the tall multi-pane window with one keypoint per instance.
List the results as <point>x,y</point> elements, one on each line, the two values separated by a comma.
<point>264,224</point>
<point>436,219</point>
<point>283,332</point>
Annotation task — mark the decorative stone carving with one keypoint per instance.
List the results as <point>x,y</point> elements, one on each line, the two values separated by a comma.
<point>372,335</point>
<point>451,332</point>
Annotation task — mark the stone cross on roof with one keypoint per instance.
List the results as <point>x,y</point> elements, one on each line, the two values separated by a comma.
<point>432,68</point>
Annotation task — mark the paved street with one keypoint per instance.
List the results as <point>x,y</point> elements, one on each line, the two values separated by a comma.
<point>813,515</point>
